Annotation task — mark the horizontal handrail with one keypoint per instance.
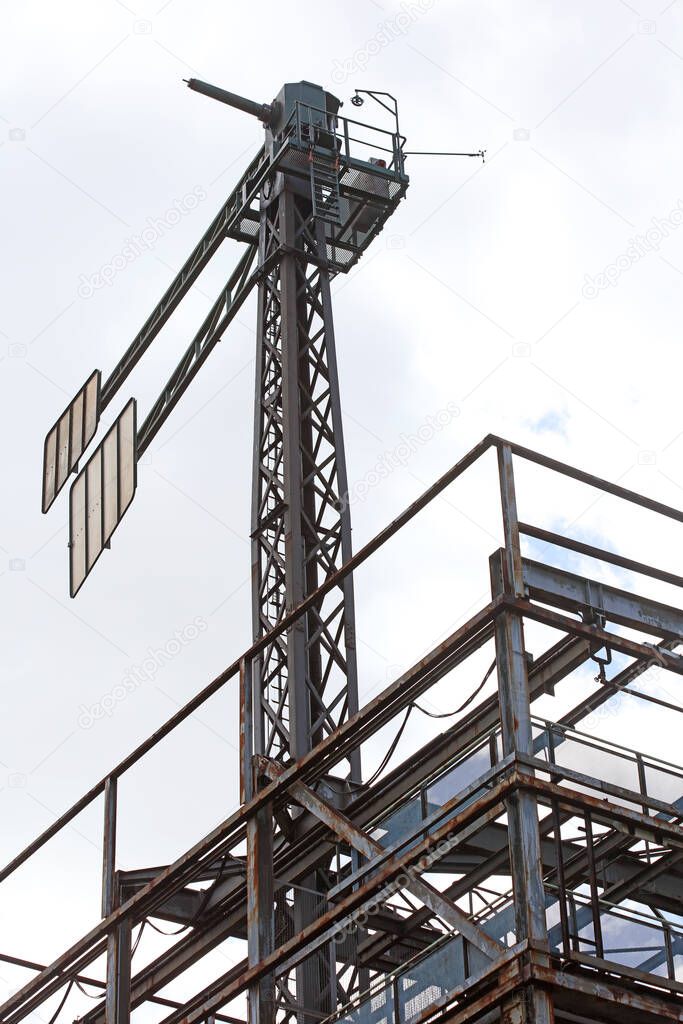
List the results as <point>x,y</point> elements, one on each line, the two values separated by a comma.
<point>490,441</point>
<point>581,548</point>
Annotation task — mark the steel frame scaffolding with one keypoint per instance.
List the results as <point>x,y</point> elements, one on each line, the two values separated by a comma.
<point>510,869</point>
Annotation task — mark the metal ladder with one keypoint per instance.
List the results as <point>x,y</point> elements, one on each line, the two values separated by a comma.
<point>325,187</point>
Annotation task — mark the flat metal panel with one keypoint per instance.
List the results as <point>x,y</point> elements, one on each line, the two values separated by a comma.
<point>63,448</point>
<point>127,458</point>
<point>93,511</point>
<point>49,466</point>
<point>69,437</point>
<point>77,546</point>
<point>76,425</point>
<point>92,407</point>
<point>110,506</point>
<point>101,493</point>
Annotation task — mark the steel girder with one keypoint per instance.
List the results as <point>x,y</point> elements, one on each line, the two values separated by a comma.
<point>603,858</point>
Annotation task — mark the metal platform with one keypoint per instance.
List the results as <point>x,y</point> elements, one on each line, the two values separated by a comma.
<point>512,869</point>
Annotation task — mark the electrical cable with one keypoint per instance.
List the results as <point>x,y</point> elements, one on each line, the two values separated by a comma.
<point>88,995</point>
<point>392,748</point>
<point>59,1009</point>
<point>137,938</point>
<point>200,909</point>
<point>449,714</point>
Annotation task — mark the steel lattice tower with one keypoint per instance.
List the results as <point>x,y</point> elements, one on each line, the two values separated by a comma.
<point>510,869</point>
<point>307,683</point>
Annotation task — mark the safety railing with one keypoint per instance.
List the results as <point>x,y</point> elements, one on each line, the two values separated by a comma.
<point>653,776</point>
<point>642,775</point>
<point>513,530</point>
<point>631,942</point>
<point>354,140</point>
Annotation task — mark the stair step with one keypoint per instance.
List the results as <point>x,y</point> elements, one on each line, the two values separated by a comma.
<point>325,189</point>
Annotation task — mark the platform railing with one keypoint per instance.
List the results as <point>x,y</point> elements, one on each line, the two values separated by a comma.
<point>648,769</point>
<point>305,119</point>
<point>361,556</point>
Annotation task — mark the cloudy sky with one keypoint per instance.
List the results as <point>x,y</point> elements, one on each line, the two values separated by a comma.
<point>538,296</point>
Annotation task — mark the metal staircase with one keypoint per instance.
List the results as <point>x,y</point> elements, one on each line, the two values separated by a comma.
<point>325,187</point>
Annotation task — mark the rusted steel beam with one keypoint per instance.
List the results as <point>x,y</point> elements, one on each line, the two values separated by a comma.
<point>556,539</point>
<point>231,831</point>
<point>513,578</point>
<point>507,581</point>
<point>302,857</point>
<point>633,973</point>
<point>614,815</point>
<point>324,928</point>
<point>612,686</point>
<point>260,920</point>
<point>588,478</point>
<point>109,847</point>
<point>560,659</point>
<point>567,590</point>
<point>86,979</point>
<point>118,974</point>
<point>256,648</point>
<point>600,636</point>
<point>597,995</point>
<point>370,849</point>
<point>473,794</point>
<point>620,792</point>
<point>619,891</point>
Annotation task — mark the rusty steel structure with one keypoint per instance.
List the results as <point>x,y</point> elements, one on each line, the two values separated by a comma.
<point>513,868</point>
<point>561,887</point>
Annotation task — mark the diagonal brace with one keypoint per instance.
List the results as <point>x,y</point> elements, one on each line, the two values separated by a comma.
<point>370,848</point>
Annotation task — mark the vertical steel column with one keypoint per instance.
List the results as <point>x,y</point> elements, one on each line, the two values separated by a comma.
<point>260,923</point>
<point>305,684</point>
<point>117,1009</point>
<point>533,1006</point>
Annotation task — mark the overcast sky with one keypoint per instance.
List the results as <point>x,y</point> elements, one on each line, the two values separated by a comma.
<point>538,296</point>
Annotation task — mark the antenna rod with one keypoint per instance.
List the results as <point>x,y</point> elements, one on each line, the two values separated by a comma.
<point>428,152</point>
<point>263,111</point>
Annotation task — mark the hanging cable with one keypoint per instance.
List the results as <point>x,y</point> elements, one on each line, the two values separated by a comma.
<point>98,995</point>
<point>137,938</point>
<point>59,1009</point>
<point>466,703</point>
<point>392,748</point>
<point>178,931</point>
<point>200,909</point>
<point>447,714</point>
<point>89,995</point>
